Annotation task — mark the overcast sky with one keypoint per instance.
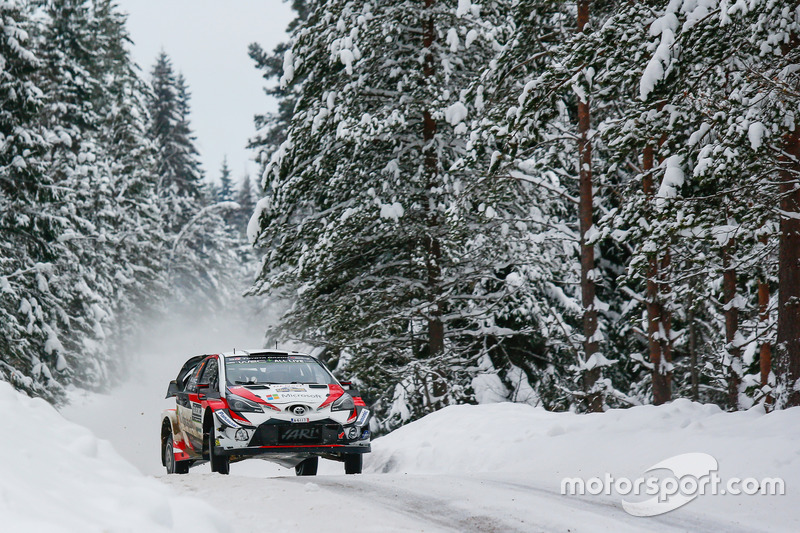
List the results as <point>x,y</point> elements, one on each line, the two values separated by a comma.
<point>207,41</point>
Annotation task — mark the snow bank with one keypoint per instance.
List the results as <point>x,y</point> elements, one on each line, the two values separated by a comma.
<point>545,447</point>
<point>58,477</point>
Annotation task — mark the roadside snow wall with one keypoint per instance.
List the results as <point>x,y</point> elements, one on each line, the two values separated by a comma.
<point>56,476</point>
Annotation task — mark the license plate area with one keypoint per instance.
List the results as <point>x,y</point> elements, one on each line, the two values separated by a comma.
<point>299,434</point>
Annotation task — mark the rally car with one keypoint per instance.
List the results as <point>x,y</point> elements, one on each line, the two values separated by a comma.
<point>285,407</point>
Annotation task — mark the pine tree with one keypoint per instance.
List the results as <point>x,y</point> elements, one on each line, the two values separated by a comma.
<point>381,249</point>
<point>272,127</point>
<point>245,197</point>
<point>225,192</point>
<point>28,342</point>
<point>134,232</point>
<point>540,130</point>
<point>99,158</point>
<point>200,248</point>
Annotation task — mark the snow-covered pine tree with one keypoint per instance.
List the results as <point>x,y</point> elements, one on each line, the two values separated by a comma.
<point>538,93</point>
<point>272,127</point>
<point>29,347</point>
<point>699,208</point>
<point>134,233</point>
<point>225,190</point>
<point>744,147</point>
<point>246,199</point>
<point>70,77</point>
<point>200,255</point>
<point>100,161</point>
<point>371,225</point>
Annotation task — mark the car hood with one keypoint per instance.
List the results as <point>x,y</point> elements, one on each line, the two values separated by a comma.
<point>315,396</point>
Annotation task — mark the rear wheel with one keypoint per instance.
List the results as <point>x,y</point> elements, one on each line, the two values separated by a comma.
<point>219,463</point>
<point>173,466</point>
<point>308,467</point>
<point>353,463</point>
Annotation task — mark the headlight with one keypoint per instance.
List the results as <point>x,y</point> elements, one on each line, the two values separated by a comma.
<point>242,405</point>
<point>344,403</point>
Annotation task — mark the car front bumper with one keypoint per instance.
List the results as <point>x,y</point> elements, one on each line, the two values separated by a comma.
<point>294,450</point>
<point>277,437</point>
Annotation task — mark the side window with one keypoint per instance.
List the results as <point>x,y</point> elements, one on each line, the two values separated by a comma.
<point>192,385</point>
<point>210,375</point>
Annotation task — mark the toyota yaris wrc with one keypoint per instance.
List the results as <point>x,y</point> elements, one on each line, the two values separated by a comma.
<point>284,407</point>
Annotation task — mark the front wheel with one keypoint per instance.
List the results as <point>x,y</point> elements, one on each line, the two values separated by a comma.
<point>219,463</point>
<point>308,467</point>
<point>173,466</point>
<point>353,463</point>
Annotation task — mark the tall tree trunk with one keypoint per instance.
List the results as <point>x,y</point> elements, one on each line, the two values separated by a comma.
<point>432,244</point>
<point>593,398</point>
<point>666,320</point>
<point>731,325</point>
<point>693,370</point>
<point>765,353</point>
<point>787,352</point>
<point>657,335</point>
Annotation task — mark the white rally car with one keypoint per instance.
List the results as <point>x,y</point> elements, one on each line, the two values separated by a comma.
<point>280,406</point>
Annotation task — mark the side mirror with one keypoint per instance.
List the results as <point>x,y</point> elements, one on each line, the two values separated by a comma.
<point>347,385</point>
<point>172,390</point>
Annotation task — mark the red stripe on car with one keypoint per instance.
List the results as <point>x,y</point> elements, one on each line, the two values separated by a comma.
<point>237,416</point>
<point>334,393</point>
<point>306,446</point>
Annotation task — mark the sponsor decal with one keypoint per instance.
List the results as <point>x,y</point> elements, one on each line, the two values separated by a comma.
<point>299,420</point>
<point>197,411</point>
<point>296,395</point>
<point>362,418</point>
<point>301,434</point>
<point>227,420</point>
<point>272,397</point>
<point>290,389</point>
<point>240,359</point>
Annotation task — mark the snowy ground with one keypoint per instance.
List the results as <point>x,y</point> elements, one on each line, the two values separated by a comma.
<point>464,469</point>
<point>56,476</point>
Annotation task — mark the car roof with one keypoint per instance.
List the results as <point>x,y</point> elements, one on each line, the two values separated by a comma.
<point>261,351</point>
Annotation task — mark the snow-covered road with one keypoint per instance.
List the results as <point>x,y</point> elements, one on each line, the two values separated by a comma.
<point>399,503</point>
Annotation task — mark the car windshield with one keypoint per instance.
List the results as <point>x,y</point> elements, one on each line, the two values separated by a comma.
<point>270,369</point>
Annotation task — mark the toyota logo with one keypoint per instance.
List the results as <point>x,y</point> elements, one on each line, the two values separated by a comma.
<point>299,410</point>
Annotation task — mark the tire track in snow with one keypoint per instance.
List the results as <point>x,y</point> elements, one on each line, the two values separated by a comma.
<point>438,511</point>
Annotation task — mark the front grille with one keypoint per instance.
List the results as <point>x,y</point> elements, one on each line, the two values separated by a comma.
<point>276,433</point>
<point>300,434</point>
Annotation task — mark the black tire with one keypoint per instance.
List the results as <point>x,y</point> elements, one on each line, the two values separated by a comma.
<point>173,466</point>
<point>353,463</point>
<point>220,464</point>
<point>308,467</point>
